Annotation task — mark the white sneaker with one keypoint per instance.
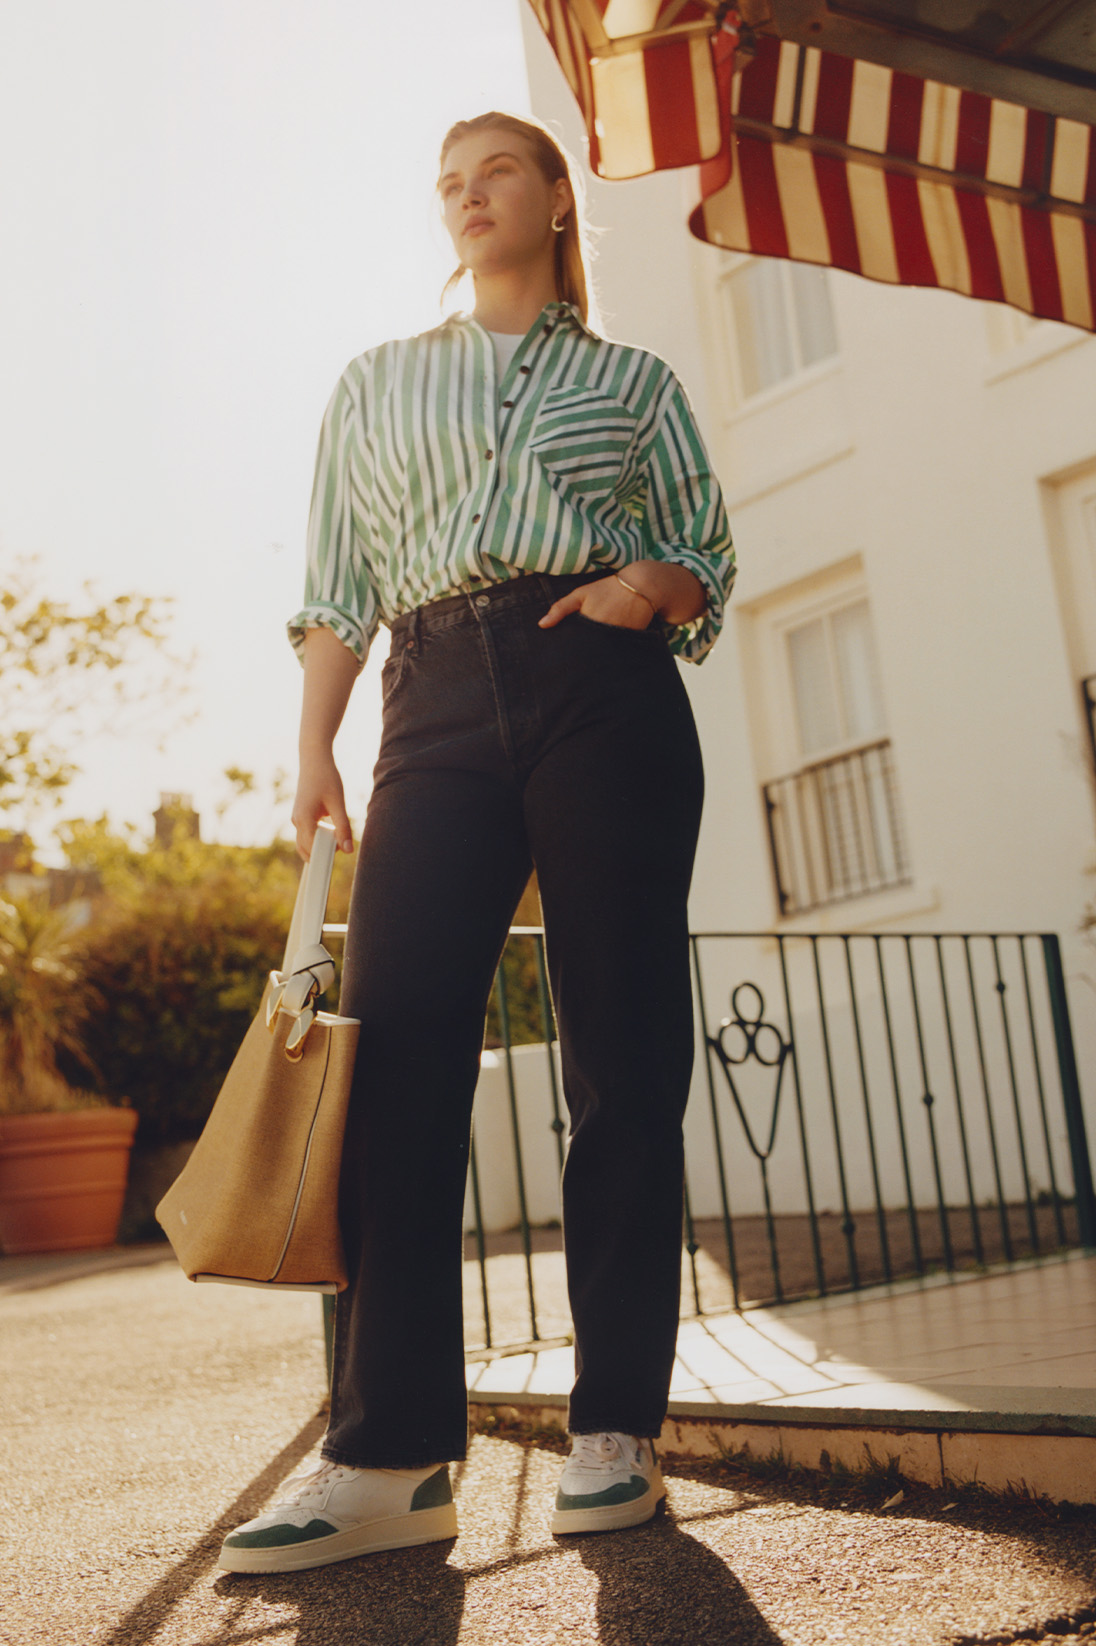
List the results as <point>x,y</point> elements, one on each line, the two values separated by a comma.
<point>332,1512</point>
<point>609,1481</point>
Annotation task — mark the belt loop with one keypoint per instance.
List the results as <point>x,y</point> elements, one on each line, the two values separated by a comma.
<point>416,631</point>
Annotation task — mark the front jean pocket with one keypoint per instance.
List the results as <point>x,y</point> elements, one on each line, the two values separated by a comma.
<point>653,631</point>
<point>395,671</point>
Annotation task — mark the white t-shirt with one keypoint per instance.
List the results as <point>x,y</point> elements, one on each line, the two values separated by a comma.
<point>506,346</point>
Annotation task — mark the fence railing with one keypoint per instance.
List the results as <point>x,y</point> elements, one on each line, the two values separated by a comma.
<point>835,830</point>
<point>884,1104</point>
<point>864,1107</point>
<point>1088,698</point>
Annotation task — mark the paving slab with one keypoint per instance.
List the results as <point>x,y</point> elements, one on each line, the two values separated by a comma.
<point>1001,1345</point>
<point>957,1359</point>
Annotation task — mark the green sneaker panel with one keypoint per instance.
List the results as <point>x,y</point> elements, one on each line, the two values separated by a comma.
<point>625,1491</point>
<point>435,1490</point>
<point>280,1536</point>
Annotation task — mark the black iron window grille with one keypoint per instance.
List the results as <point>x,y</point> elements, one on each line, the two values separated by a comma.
<point>835,829</point>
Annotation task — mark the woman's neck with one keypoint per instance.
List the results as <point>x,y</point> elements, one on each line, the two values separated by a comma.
<point>511,300</point>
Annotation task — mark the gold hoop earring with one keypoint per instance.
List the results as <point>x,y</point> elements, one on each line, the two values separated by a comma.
<point>557,226</point>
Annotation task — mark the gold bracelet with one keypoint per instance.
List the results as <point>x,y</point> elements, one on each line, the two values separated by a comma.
<point>633,590</point>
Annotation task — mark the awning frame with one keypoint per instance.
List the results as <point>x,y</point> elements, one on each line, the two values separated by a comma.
<point>929,54</point>
<point>899,166</point>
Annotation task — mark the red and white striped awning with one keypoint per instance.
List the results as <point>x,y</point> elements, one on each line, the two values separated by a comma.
<point>827,159</point>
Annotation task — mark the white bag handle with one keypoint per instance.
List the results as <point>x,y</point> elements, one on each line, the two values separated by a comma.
<point>306,926</point>
<point>307,968</point>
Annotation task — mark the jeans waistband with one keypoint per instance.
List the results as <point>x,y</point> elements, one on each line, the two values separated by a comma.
<point>540,588</point>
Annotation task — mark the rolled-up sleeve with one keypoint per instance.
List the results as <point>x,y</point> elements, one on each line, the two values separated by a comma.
<point>685,521</point>
<point>339,592</point>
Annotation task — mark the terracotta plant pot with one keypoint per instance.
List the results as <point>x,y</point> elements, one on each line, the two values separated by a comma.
<point>63,1178</point>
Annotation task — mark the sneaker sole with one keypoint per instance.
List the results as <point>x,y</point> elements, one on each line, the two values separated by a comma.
<point>395,1532</point>
<point>610,1517</point>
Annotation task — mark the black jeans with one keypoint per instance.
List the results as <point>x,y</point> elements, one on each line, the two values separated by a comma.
<point>574,749</point>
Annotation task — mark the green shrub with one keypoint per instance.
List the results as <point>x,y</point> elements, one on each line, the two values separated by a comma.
<point>45,1004</point>
<point>523,1001</point>
<point>179,951</point>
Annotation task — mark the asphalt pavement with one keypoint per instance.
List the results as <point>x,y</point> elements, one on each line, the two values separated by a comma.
<point>143,1417</point>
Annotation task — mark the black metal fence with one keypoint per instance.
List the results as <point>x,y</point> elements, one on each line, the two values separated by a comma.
<point>1088,698</point>
<point>835,830</point>
<point>881,1105</point>
<point>865,1107</point>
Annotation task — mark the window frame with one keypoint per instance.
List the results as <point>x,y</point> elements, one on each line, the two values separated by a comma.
<point>730,265</point>
<point>781,760</point>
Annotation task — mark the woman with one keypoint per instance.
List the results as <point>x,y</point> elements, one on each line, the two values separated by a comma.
<point>530,509</point>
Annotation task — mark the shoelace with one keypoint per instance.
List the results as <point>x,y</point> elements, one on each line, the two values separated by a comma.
<point>596,1451</point>
<point>300,1489</point>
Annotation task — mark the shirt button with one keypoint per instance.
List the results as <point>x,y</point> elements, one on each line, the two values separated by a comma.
<point>489,455</point>
<point>476,518</point>
<point>525,369</point>
<point>508,402</point>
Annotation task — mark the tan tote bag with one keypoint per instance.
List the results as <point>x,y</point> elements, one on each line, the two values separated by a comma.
<point>257,1202</point>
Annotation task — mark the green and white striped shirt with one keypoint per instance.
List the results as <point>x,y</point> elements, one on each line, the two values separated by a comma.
<point>433,479</point>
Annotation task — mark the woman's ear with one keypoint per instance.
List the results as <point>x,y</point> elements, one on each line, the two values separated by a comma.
<point>562,198</point>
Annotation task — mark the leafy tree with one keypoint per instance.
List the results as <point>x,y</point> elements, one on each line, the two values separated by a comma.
<point>69,669</point>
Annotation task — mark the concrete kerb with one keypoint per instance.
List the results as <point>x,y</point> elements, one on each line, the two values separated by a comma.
<point>1049,1457</point>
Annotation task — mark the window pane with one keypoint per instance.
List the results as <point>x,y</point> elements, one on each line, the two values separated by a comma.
<point>761,326</point>
<point>813,313</point>
<point>858,673</point>
<point>812,681</point>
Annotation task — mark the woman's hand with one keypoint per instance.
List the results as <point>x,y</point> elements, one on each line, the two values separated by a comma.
<point>606,601</point>
<point>664,589</point>
<point>320,794</point>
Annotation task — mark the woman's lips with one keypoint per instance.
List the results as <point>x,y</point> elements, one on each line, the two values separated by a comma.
<point>478,224</point>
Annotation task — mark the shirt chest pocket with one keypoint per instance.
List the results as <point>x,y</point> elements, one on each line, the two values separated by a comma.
<point>583,439</point>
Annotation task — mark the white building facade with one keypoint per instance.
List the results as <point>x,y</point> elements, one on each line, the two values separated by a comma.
<point>893,722</point>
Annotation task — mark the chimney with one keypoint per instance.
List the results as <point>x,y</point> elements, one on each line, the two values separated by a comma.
<point>176,812</point>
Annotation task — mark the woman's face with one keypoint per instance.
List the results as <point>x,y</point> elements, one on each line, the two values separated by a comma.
<point>497,203</point>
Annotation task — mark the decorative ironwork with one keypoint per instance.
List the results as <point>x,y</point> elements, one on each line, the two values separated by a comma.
<point>750,1031</point>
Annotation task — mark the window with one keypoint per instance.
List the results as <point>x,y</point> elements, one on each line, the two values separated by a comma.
<point>781,318</point>
<point>834,824</point>
<point>1017,340</point>
<point>835,680</point>
<point>1007,328</point>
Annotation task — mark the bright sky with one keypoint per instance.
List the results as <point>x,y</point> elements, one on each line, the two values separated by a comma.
<point>208,207</point>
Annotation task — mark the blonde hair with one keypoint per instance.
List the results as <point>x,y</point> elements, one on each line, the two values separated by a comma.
<point>572,284</point>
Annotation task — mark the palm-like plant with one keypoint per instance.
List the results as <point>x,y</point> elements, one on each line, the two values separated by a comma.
<point>44,1004</point>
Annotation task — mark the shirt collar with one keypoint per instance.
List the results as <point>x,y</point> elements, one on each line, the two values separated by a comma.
<point>553,314</point>
<point>567,311</point>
